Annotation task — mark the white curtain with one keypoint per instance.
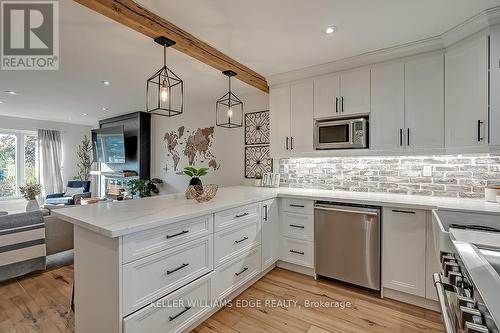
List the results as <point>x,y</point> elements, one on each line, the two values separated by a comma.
<point>50,150</point>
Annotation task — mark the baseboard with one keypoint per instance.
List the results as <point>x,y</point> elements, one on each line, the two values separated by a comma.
<point>296,268</point>
<point>411,299</point>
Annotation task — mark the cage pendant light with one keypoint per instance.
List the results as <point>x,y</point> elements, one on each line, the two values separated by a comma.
<point>164,89</point>
<point>229,108</point>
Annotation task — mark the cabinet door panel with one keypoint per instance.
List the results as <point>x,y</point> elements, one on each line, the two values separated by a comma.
<point>326,94</point>
<point>279,108</point>
<point>355,91</point>
<point>387,116</point>
<point>270,232</point>
<point>466,94</point>
<point>301,116</point>
<point>403,243</point>
<point>424,102</point>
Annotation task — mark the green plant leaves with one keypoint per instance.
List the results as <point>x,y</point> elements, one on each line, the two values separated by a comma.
<point>193,172</point>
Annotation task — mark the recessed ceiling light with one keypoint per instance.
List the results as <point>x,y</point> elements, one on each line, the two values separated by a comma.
<point>1,102</point>
<point>330,29</point>
<point>85,114</point>
<point>106,83</point>
<point>105,109</point>
<point>10,92</point>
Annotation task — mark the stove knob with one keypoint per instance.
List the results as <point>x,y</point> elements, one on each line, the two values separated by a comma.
<point>470,315</point>
<point>455,278</point>
<point>475,328</point>
<point>466,302</point>
<point>450,266</point>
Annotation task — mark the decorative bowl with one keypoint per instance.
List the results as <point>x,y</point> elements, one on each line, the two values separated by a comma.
<point>203,193</point>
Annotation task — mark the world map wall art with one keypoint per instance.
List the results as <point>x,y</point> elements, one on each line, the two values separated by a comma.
<point>194,145</point>
<point>257,152</point>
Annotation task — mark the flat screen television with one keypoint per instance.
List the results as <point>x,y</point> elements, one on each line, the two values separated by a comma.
<point>109,145</point>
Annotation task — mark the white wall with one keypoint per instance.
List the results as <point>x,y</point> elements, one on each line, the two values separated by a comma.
<point>71,136</point>
<point>228,144</point>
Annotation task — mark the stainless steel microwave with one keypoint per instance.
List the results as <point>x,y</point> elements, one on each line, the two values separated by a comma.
<point>341,134</point>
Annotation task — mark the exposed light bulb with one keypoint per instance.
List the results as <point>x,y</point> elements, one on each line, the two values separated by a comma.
<point>230,113</point>
<point>164,92</point>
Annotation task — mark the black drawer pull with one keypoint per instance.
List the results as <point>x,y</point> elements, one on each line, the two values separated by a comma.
<point>403,211</point>
<point>297,252</point>
<point>242,271</point>
<point>297,226</point>
<point>265,212</point>
<point>178,268</point>
<point>241,215</point>
<point>178,234</point>
<point>179,314</point>
<point>297,206</point>
<point>241,240</point>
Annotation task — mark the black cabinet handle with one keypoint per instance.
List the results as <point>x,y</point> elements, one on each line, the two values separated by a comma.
<point>265,212</point>
<point>241,240</point>
<point>241,215</point>
<point>187,308</point>
<point>336,105</point>
<point>286,144</point>
<point>342,104</point>
<point>242,271</point>
<point>479,123</point>
<point>297,226</point>
<point>401,137</point>
<point>291,143</point>
<point>177,269</point>
<point>297,252</point>
<point>408,136</point>
<point>178,234</point>
<point>297,206</point>
<point>403,211</point>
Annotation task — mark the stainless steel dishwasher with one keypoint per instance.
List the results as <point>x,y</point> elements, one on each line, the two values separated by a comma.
<point>347,243</point>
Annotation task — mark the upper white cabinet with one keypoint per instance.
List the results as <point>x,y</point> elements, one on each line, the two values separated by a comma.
<point>387,121</point>
<point>466,91</point>
<point>347,93</point>
<point>291,112</point>
<point>494,88</point>
<point>424,102</point>
<point>407,103</point>
<point>403,250</point>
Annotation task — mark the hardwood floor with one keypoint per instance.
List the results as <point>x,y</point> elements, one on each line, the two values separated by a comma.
<point>41,303</point>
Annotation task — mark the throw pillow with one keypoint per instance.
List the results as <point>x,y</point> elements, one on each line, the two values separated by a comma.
<point>70,191</point>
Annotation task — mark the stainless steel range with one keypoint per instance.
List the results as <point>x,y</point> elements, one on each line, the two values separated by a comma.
<point>468,286</point>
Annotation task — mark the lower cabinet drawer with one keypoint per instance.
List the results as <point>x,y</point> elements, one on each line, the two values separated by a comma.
<point>234,274</point>
<point>297,252</point>
<point>237,216</point>
<point>301,206</point>
<point>298,226</point>
<point>150,278</point>
<point>231,243</point>
<point>174,313</point>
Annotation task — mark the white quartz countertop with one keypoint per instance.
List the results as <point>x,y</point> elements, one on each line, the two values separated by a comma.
<point>114,219</point>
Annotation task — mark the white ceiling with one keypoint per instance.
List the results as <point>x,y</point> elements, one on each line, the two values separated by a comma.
<point>269,36</point>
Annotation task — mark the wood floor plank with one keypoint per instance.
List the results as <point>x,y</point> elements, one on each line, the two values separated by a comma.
<point>40,302</point>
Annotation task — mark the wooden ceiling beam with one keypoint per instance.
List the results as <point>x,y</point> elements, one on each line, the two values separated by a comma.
<point>134,16</point>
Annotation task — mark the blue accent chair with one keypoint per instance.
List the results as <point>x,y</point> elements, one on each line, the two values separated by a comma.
<point>61,199</point>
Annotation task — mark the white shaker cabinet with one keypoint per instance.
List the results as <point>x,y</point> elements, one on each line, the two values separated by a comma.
<point>403,250</point>
<point>291,114</point>
<point>424,102</point>
<point>466,91</point>
<point>494,88</point>
<point>270,233</point>
<point>387,121</point>
<point>347,93</point>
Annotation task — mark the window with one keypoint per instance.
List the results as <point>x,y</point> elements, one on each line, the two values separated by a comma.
<point>18,161</point>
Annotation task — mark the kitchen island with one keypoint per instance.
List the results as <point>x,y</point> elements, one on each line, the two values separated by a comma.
<point>165,263</point>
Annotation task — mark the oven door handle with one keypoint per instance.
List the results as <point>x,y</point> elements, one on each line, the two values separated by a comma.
<point>351,130</point>
<point>449,325</point>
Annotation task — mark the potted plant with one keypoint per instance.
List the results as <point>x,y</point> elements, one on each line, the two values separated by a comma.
<point>30,191</point>
<point>195,180</point>
<point>144,188</point>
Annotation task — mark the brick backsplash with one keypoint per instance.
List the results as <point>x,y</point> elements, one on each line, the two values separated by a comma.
<point>452,175</point>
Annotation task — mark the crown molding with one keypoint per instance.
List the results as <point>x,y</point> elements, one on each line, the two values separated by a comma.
<point>481,21</point>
